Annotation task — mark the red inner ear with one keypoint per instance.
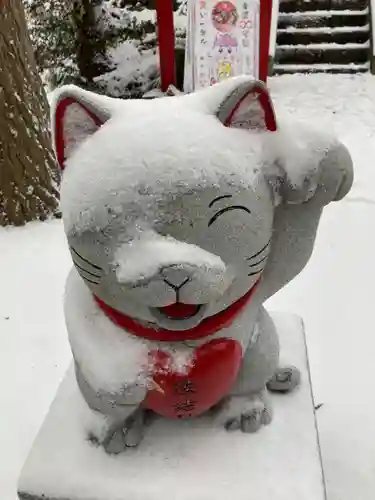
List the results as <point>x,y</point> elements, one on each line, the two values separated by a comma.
<point>61,108</point>
<point>265,102</point>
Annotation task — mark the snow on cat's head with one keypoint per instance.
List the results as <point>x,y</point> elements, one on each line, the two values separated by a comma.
<point>167,204</point>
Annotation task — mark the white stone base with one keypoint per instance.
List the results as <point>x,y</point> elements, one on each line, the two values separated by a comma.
<point>184,460</point>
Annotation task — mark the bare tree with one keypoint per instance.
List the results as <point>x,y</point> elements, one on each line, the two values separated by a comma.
<point>28,171</point>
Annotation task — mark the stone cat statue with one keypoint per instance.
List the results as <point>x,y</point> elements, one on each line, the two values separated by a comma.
<point>183,215</point>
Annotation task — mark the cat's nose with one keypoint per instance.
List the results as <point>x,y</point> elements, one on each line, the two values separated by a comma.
<point>175,275</point>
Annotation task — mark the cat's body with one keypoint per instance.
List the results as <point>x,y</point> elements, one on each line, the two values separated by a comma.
<point>183,215</point>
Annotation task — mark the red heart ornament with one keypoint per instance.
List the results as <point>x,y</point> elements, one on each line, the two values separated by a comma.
<point>202,384</point>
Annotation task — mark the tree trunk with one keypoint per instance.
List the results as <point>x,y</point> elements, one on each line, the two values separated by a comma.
<point>28,170</point>
<point>91,47</point>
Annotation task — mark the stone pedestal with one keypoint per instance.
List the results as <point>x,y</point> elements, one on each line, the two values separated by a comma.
<point>184,460</point>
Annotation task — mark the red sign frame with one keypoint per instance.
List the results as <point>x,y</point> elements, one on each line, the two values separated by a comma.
<point>166,39</point>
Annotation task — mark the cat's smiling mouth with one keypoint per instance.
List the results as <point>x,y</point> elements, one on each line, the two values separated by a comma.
<point>179,316</point>
<point>180,311</point>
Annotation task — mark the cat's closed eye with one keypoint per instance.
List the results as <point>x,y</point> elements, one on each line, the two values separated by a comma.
<point>227,209</point>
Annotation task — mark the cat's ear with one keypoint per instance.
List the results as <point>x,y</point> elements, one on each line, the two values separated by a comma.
<point>242,102</point>
<point>76,114</point>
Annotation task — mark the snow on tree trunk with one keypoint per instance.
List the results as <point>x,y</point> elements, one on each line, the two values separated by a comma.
<point>28,171</point>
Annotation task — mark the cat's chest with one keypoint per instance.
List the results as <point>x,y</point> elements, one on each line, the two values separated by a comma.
<point>186,385</point>
<point>191,377</point>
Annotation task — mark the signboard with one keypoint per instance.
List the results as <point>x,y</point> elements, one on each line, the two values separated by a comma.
<point>222,40</point>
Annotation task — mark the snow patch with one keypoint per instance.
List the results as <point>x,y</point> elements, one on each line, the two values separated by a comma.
<point>324,29</point>
<point>323,13</point>
<point>134,263</point>
<point>132,67</point>
<point>325,46</point>
<point>108,356</point>
<point>290,145</point>
<point>295,68</point>
<point>107,175</point>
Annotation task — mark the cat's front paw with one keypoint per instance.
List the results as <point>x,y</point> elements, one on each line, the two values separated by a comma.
<point>115,436</point>
<point>245,413</point>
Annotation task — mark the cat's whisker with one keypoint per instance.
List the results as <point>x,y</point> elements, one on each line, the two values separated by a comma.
<point>86,271</point>
<point>259,262</point>
<point>87,279</point>
<point>256,272</point>
<point>94,266</point>
<point>260,251</point>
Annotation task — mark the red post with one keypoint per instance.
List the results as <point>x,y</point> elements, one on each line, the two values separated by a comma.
<point>265,16</point>
<point>165,26</point>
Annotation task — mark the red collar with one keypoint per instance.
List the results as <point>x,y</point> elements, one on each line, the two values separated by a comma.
<point>207,327</point>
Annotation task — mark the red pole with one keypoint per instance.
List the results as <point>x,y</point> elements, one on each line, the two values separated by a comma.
<point>165,26</point>
<point>265,16</point>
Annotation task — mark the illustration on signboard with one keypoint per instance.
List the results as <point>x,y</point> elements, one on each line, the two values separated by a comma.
<point>222,41</point>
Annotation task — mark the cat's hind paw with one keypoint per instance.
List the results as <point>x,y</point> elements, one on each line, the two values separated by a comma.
<point>285,379</point>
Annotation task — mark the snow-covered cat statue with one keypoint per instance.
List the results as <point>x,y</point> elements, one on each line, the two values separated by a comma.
<point>183,215</point>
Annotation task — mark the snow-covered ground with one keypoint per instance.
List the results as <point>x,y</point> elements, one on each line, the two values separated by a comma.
<point>334,294</point>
